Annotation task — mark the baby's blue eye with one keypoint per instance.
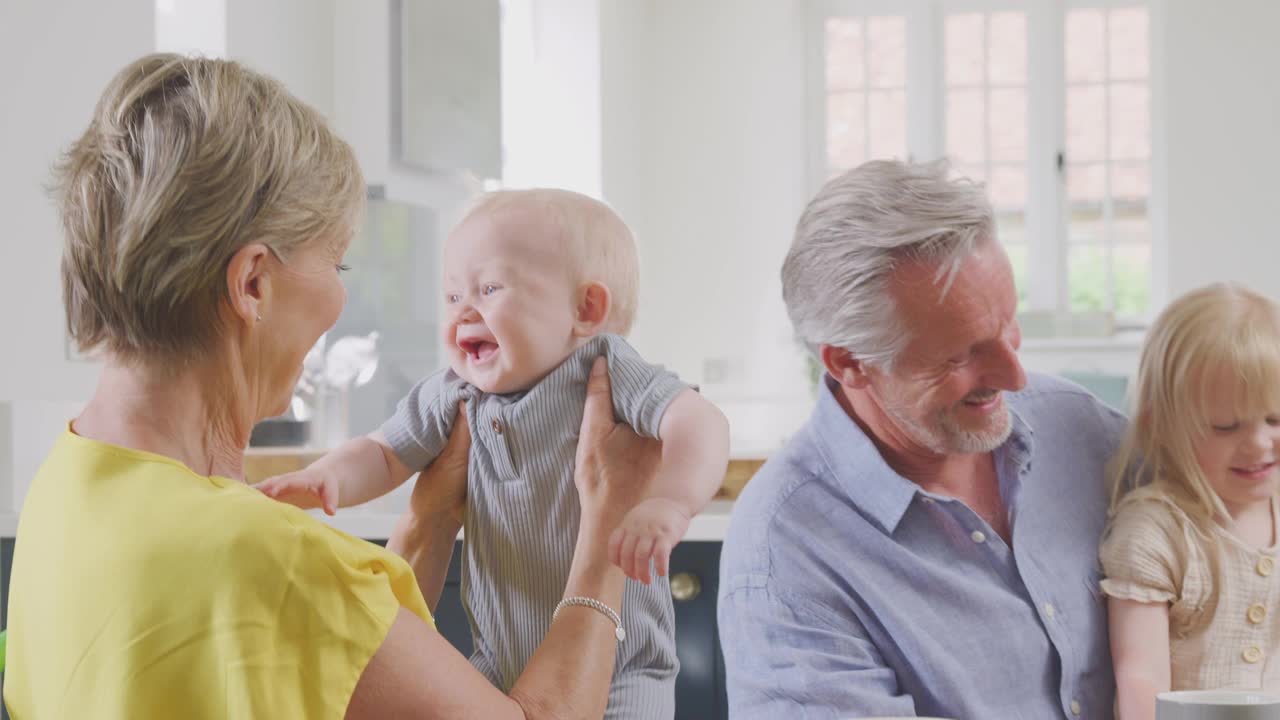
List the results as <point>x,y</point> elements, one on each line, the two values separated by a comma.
<point>489,289</point>
<point>453,298</point>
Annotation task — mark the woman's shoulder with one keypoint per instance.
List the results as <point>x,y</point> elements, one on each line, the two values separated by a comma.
<point>278,543</point>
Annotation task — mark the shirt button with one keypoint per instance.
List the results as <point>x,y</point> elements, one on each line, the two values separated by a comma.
<point>1049,610</point>
<point>1257,613</point>
<point>1075,707</point>
<point>978,536</point>
<point>1265,565</point>
<point>1252,654</point>
<point>496,425</point>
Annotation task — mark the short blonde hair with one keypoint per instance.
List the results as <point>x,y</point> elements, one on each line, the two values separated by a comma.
<point>1216,329</point>
<point>598,243</point>
<point>185,162</point>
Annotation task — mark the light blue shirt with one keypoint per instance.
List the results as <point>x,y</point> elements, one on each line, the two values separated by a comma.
<point>848,591</point>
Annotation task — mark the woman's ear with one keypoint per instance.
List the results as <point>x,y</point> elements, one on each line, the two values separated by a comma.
<point>248,283</point>
<point>591,310</point>
<point>844,367</point>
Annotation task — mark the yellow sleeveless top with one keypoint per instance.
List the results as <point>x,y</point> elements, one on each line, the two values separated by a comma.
<point>143,590</point>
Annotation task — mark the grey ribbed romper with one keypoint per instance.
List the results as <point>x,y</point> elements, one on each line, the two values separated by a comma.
<point>522,514</point>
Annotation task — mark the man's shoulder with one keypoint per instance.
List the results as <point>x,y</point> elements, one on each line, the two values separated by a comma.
<point>1049,394</point>
<point>783,495</point>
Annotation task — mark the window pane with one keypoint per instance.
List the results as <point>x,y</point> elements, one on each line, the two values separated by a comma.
<point>1130,46</point>
<point>1130,121</point>
<point>846,129</point>
<point>1017,255</point>
<point>1132,264</point>
<point>1086,226</point>
<point>1131,182</point>
<point>888,118</point>
<point>966,131</point>
<point>887,51</point>
<point>845,69</point>
<point>976,173</point>
<point>1008,125</point>
<point>1086,183</point>
<point>1086,124</point>
<point>964,53</point>
<point>1087,273</point>
<point>1007,50</point>
<point>1085,46</point>
<point>1008,187</point>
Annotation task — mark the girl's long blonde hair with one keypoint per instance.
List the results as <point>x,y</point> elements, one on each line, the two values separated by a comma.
<point>1216,330</point>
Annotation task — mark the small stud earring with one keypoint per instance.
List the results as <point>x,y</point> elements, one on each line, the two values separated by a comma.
<point>259,318</point>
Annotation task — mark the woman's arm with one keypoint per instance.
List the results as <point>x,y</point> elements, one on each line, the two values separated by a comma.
<point>425,534</point>
<point>416,673</point>
<point>1140,655</point>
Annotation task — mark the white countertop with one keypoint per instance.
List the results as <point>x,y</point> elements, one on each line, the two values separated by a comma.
<point>710,525</point>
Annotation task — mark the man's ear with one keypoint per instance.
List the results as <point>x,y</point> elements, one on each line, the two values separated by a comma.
<point>248,283</point>
<point>844,367</point>
<point>591,310</point>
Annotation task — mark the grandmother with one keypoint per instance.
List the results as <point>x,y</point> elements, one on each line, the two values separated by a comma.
<point>206,212</point>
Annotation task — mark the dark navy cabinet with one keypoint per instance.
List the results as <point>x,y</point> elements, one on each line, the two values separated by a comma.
<point>695,579</point>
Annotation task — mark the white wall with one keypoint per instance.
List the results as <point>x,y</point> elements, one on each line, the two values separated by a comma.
<point>58,57</point>
<point>192,27</point>
<point>705,155</point>
<point>291,40</point>
<point>1223,123</point>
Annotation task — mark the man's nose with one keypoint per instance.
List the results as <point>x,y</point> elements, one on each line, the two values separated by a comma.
<point>1003,370</point>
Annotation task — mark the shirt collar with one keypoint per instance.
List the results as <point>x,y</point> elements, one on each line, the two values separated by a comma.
<point>855,463</point>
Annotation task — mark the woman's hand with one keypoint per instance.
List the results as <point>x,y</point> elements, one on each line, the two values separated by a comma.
<point>425,533</point>
<point>614,465</point>
<point>441,489</point>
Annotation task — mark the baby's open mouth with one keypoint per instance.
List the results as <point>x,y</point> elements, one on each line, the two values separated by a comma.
<point>478,350</point>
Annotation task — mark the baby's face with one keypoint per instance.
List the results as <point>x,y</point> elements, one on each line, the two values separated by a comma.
<point>509,299</point>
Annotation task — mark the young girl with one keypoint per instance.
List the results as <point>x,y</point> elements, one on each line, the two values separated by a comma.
<point>1190,556</point>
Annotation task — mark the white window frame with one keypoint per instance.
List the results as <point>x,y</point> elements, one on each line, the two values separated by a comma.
<point>1047,206</point>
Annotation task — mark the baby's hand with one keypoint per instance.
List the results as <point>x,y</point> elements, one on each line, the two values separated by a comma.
<point>306,489</point>
<point>648,532</point>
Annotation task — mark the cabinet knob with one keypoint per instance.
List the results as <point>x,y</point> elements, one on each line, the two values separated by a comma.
<point>685,587</point>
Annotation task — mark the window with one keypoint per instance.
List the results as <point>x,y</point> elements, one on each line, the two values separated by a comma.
<point>1048,104</point>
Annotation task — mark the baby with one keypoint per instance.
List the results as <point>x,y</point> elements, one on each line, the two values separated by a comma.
<point>539,283</point>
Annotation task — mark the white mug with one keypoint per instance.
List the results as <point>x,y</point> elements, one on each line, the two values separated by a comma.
<point>1217,705</point>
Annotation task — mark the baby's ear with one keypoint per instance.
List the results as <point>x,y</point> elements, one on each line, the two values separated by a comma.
<point>591,311</point>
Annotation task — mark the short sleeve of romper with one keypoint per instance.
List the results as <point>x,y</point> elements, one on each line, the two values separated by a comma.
<point>1143,553</point>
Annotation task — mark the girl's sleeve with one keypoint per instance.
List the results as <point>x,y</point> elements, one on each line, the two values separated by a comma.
<point>1143,555</point>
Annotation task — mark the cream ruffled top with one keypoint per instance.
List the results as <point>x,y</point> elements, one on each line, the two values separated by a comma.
<point>1224,614</point>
